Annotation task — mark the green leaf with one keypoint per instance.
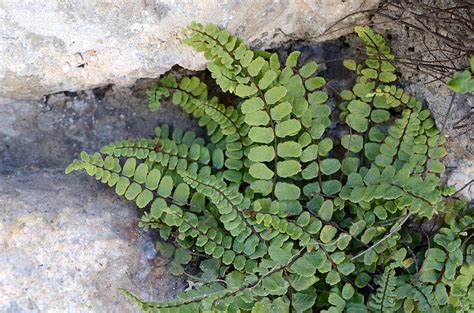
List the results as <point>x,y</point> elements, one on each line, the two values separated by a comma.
<point>336,300</point>
<point>165,187</point>
<point>329,166</point>
<point>157,208</point>
<point>261,134</point>
<point>303,219</point>
<point>252,105</point>
<point>286,191</point>
<point>132,191</point>
<point>260,171</point>
<point>262,306</point>
<point>314,83</point>
<point>275,284</point>
<point>436,166</point>
<point>327,233</point>
<point>255,66</point>
<point>441,294</point>
<point>308,69</point>
<point>326,210</point>
<point>182,256</point>
<point>347,291</point>
<point>333,278</point>
<point>347,95</point>
<point>153,179</point>
<point>288,168</point>
<point>369,73</point>
<point>379,116</point>
<point>325,146</point>
<point>287,128</point>
<point>357,122</point>
<point>281,110</point>
<point>262,153</point>
<point>352,142</point>
<point>141,173</point>
<point>350,64</point>
<point>317,97</point>
<point>304,266</point>
<point>267,79</point>
<point>244,91</point>
<point>181,194</point>
<point>362,89</point>
<point>165,249</point>
<point>144,198</point>
<point>359,107</point>
<point>281,256</point>
<point>122,186</point>
<point>331,187</point>
<point>373,176</point>
<point>303,301</point>
<point>346,268</point>
<point>387,77</point>
<point>310,153</point>
<point>129,167</point>
<point>289,149</point>
<point>292,59</point>
<point>273,95</point>
<point>300,283</point>
<point>176,269</point>
<point>257,118</point>
<point>349,165</point>
<point>251,244</point>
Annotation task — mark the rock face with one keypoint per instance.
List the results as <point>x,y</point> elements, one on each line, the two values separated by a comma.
<point>67,246</point>
<point>67,243</point>
<point>52,46</point>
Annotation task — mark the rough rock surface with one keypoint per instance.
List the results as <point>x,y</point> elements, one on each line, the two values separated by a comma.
<point>52,46</point>
<point>67,242</point>
<point>67,246</point>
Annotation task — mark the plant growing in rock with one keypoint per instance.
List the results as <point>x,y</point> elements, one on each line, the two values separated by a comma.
<point>277,215</point>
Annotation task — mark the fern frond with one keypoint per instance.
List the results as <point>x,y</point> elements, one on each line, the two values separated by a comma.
<point>383,300</point>
<point>279,215</point>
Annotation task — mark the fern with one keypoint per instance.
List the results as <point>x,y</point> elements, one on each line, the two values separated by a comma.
<point>278,215</point>
<point>383,299</point>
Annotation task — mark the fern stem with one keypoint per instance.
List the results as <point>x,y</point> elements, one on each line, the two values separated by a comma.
<point>384,238</point>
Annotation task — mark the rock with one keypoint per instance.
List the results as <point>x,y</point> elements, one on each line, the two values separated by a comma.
<point>50,133</point>
<point>66,241</point>
<point>67,245</point>
<point>51,46</point>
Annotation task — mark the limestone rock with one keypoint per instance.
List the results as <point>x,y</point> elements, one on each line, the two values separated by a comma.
<point>67,247</point>
<point>52,46</point>
<point>67,243</point>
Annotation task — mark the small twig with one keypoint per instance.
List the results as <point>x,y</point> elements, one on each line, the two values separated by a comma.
<point>384,238</point>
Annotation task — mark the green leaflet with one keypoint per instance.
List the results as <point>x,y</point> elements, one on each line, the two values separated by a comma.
<point>288,168</point>
<point>262,153</point>
<point>274,94</point>
<point>288,128</point>
<point>278,214</point>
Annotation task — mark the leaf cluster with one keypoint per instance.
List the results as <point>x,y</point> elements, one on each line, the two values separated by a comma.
<point>275,213</point>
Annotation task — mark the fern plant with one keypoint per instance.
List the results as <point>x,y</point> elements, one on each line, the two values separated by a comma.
<point>277,215</point>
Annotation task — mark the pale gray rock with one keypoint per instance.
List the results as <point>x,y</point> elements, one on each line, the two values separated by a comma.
<point>67,243</point>
<point>52,46</point>
<point>67,246</point>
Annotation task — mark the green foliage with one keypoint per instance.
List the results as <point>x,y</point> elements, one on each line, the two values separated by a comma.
<point>463,82</point>
<point>279,216</point>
